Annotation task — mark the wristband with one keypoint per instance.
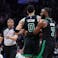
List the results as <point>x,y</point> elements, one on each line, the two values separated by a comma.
<point>16,31</point>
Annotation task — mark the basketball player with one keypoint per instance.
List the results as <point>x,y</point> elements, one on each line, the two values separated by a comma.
<point>48,33</point>
<point>32,25</point>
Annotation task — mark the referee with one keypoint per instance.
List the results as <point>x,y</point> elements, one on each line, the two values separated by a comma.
<point>9,42</point>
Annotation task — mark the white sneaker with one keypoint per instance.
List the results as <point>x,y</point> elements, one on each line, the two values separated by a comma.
<point>18,55</point>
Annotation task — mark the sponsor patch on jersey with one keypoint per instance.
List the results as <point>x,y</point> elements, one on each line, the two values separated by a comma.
<point>31,20</point>
<point>52,24</point>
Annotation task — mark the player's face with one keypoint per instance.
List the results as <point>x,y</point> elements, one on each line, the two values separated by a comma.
<point>10,23</point>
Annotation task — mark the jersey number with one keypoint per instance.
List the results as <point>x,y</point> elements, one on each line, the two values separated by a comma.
<point>53,31</point>
<point>31,27</point>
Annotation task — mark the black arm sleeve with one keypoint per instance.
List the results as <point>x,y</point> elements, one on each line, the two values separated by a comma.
<point>16,30</point>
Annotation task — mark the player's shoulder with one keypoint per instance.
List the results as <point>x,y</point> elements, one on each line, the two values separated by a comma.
<point>23,19</point>
<point>39,17</point>
<point>50,19</point>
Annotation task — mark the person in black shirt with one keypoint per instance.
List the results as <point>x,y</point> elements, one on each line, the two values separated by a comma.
<point>48,33</point>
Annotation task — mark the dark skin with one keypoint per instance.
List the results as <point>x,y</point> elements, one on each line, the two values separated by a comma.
<point>44,12</point>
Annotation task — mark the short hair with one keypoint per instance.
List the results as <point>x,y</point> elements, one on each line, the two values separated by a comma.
<point>30,8</point>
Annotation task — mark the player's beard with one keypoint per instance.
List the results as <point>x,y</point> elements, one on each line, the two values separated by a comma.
<point>43,16</point>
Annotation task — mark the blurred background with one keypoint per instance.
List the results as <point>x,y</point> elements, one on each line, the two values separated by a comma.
<point>15,8</point>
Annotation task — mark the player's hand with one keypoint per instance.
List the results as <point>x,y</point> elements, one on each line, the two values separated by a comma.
<point>38,27</point>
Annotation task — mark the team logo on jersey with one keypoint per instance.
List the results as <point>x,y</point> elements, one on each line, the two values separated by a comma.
<point>31,20</point>
<point>52,25</point>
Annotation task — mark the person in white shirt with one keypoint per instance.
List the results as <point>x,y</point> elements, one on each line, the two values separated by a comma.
<point>9,42</point>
